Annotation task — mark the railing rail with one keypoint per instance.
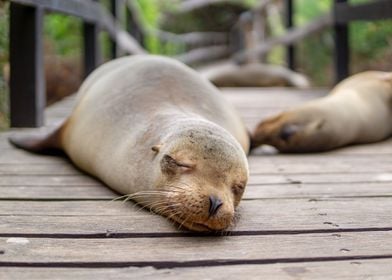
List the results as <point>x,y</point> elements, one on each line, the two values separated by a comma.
<point>27,85</point>
<point>342,14</point>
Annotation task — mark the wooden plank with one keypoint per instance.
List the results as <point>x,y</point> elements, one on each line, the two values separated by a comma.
<point>30,180</point>
<point>317,191</point>
<point>53,168</point>
<point>258,165</point>
<point>320,178</point>
<point>255,179</point>
<point>15,156</point>
<point>373,151</point>
<point>326,163</point>
<point>65,192</point>
<point>100,192</point>
<point>352,269</point>
<point>185,251</point>
<point>257,216</point>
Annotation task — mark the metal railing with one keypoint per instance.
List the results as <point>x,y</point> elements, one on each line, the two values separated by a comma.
<point>27,82</point>
<point>339,18</point>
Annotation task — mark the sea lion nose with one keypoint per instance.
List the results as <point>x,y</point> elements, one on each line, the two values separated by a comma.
<point>215,204</point>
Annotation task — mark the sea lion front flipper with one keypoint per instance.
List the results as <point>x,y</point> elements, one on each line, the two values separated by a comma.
<point>47,142</point>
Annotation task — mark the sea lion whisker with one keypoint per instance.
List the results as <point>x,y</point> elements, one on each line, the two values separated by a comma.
<point>120,197</point>
<point>156,205</point>
<point>142,195</point>
<point>184,221</point>
<point>168,207</point>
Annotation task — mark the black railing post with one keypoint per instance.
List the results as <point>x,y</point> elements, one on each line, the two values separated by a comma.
<point>27,82</point>
<point>290,55</point>
<point>132,26</point>
<point>92,52</point>
<point>342,53</point>
<point>115,10</point>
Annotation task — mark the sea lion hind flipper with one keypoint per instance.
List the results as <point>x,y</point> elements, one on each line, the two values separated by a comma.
<point>43,143</point>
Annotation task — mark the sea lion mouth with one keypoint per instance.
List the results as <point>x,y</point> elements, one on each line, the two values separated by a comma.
<point>200,227</point>
<point>196,226</point>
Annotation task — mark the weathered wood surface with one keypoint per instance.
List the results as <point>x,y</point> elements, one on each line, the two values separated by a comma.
<point>257,216</point>
<point>302,216</point>
<point>353,269</point>
<point>186,251</point>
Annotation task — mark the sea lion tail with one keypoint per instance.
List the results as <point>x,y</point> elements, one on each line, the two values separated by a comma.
<point>43,143</point>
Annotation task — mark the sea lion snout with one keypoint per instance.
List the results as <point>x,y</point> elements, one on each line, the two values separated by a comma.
<point>215,204</point>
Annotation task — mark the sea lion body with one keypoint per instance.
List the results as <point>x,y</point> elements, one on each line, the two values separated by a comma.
<point>254,75</point>
<point>358,110</point>
<point>152,128</point>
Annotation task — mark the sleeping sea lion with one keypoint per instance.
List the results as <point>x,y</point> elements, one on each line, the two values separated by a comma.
<point>253,75</point>
<point>155,130</point>
<point>358,110</point>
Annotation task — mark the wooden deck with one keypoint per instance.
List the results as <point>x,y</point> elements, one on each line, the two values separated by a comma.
<point>303,216</point>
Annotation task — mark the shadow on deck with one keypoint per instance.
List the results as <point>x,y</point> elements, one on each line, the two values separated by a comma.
<point>303,216</point>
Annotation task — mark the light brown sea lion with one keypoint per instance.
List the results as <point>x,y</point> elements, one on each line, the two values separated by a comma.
<point>253,75</point>
<point>358,110</point>
<point>154,129</point>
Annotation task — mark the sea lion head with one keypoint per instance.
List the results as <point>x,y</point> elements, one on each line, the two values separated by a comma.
<point>304,130</point>
<point>202,174</point>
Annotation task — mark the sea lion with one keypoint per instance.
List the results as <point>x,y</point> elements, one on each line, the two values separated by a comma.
<point>155,130</point>
<point>254,75</point>
<point>358,110</point>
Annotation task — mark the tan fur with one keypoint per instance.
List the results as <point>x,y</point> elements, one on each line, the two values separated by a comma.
<point>358,110</point>
<point>152,128</point>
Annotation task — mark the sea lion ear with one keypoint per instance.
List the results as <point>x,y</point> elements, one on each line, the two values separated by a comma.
<point>288,130</point>
<point>320,124</point>
<point>156,148</point>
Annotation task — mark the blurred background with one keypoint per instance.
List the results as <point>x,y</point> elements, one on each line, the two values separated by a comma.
<point>160,21</point>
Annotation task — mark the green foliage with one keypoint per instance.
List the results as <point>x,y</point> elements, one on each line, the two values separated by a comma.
<point>306,10</point>
<point>368,41</point>
<point>369,38</point>
<point>63,33</point>
<point>3,60</point>
<point>149,10</point>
